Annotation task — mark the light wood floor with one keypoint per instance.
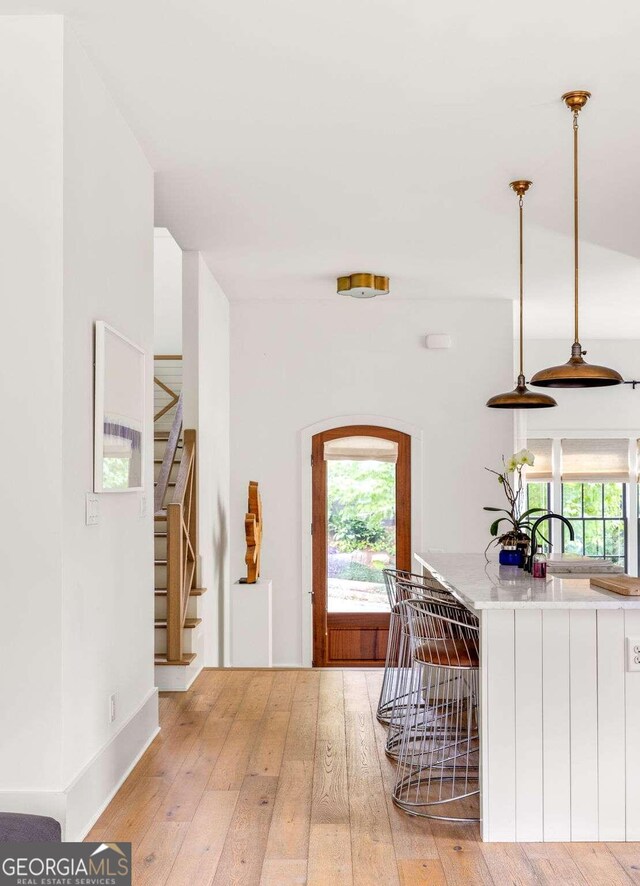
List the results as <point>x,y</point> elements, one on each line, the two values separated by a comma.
<point>280,777</point>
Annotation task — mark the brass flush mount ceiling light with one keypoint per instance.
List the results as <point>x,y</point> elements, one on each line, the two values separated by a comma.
<point>363,285</point>
<point>576,373</point>
<point>521,397</point>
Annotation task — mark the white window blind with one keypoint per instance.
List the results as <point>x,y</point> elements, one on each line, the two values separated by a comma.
<point>361,449</point>
<point>541,470</point>
<point>595,461</point>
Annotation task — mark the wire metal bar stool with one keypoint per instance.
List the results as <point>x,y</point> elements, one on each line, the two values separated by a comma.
<point>426,590</point>
<point>438,761</point>
<point>396,669</point>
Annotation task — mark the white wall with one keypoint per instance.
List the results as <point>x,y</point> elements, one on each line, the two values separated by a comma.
<point>167,297</point>
<point>615,408</point>
<point>76,221</point>
<point>206,408</point>
<point>31,391</point>
<point>294,364</point>
<point>108,275</point>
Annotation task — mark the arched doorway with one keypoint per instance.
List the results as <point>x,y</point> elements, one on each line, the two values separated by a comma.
<point>361,505</point>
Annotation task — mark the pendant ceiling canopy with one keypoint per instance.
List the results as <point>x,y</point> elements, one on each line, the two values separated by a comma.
<point>521,397</point>
<point>576,372</point>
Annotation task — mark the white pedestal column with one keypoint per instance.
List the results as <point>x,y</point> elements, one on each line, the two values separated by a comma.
<point>251,624</point>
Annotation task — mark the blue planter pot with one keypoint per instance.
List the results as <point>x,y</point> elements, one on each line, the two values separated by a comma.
<point>511,557</point>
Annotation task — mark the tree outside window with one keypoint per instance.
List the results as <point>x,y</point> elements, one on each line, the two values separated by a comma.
<point>597,512</point>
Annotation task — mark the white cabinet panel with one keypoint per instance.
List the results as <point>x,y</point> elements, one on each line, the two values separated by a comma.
<point>528,727</point>
<point>556,724</point>
<point>632,693</point>
<point>584,724</point>
<point>498,709</point>
<point>611,725</point>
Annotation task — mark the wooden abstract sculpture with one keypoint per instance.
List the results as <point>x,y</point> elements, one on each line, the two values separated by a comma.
<point>253,533</point>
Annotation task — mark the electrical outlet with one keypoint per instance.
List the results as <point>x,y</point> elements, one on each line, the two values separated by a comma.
<point>112,708</point>
<point>633,653</point>
<point>92,512</point>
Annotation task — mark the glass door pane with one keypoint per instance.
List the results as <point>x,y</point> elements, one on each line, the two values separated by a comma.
<point>361,533</point>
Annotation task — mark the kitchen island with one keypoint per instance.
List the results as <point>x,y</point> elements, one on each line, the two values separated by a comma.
<point>559,702</point>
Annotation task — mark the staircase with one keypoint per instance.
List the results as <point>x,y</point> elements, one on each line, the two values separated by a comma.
<point>179,637</point>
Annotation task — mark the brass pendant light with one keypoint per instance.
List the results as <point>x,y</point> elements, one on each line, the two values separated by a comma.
<point>576,373</point>
<point>521,397</point>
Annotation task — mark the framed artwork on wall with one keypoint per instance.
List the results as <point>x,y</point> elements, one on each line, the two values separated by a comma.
<point>119,440</point>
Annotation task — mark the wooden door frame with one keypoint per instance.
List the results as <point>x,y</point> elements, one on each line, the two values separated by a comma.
<point>319,523</point>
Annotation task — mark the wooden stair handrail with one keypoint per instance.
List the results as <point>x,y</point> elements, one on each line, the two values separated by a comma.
<point>168,459</point>
<point>170,404</point>
<point>182,546</point>
<point>165,387</point>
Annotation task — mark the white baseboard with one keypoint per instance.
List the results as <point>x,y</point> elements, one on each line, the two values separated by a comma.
<point>79,806</point>
<point>176,678</point>
<point>93,789</point>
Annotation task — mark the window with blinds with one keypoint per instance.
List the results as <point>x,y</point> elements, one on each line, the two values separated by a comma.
<point>361,449</point>
<point>542,468</point>
<point>593,495</point>
<point>595,461</point>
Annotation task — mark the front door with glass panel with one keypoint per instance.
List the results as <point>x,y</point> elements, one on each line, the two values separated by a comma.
<point>361,525</point>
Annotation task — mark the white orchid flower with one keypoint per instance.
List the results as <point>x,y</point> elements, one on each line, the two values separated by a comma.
<point>525,457</point>
<point>512,464</point>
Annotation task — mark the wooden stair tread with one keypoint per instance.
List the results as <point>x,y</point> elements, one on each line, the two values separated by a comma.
<point>189,623</point>
<point>160,562</point>
<point>194,592</point>
<point>158,461</point>
<point>160,534</point>
<point>160,658</point>
<point>160,515</point>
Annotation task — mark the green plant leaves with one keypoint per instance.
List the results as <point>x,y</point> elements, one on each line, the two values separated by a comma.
<point>493,529</point>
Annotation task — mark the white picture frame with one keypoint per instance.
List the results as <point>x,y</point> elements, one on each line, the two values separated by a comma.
<point>119,412</point>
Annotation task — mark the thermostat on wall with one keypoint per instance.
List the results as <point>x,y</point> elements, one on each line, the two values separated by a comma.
<point>437,340</point>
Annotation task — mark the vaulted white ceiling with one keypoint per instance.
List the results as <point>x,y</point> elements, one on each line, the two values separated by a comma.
<point>295,141</point>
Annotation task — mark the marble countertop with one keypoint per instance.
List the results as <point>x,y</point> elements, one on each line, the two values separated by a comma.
<point>482,585</point>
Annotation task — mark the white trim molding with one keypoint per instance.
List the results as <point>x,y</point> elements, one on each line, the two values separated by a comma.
<point>306,435</point>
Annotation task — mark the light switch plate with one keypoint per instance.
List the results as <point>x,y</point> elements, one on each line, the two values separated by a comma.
<point>633,653</point>
<point>92,511</point>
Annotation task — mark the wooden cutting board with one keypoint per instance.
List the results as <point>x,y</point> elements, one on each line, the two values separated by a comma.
<point>619,584</point>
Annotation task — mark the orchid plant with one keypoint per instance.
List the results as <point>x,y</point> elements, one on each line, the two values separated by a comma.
<point>519,521</point>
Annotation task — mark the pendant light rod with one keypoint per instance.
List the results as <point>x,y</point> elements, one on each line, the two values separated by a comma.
<point>521,397</point>
<point>576,234</point>
<point>576,373</point>
<point>521,188</point>
<point>520,202</point>
<point>576,101</point>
